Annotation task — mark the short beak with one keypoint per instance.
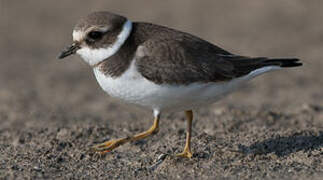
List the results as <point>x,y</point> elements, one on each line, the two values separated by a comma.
<point>70,50</point>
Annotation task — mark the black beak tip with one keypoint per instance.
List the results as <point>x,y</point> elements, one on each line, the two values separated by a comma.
<point>70,50</point>
<point>64,54</point>
<point>60,56</point>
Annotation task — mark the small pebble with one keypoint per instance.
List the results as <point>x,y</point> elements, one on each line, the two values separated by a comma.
<point>36,168</point>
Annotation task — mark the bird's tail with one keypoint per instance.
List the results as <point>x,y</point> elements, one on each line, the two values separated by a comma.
<point>255,66</point>
<point>282,62</point>
<point>268,64</point>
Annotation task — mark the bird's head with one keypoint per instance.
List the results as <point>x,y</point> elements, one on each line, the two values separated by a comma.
<point>98,36</point>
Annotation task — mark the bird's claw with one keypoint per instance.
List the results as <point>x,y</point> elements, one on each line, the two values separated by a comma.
<point>185,154</point>
<point>108,146</point>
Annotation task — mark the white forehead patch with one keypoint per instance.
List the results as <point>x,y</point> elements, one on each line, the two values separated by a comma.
<point>78,35</point>
<point>94,56</point>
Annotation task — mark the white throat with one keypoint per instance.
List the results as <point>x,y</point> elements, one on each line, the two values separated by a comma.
<point>94,56</point>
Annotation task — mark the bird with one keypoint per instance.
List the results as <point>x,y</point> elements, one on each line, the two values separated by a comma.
<point>160,68</point>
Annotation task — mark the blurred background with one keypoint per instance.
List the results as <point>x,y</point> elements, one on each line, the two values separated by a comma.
<point>34,83</point>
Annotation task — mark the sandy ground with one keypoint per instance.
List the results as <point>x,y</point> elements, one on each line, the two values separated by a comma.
<point>52,111</point>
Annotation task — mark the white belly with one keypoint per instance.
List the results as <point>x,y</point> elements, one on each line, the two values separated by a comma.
<point>134,88</point>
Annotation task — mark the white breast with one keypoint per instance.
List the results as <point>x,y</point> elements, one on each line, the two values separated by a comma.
<point>134,88</point>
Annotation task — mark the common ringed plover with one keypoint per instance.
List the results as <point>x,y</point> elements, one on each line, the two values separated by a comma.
<point>160,68</point>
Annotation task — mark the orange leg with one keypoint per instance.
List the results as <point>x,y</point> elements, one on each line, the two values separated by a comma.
<point>112,144</point>
<point>187,153</point>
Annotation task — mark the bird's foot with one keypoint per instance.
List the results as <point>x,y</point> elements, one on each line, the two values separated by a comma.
<point>108,145</point>
<point>185,154</point>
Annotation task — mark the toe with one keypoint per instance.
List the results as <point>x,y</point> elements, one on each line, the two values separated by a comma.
<point>185,154</point>
<point>103,146</point>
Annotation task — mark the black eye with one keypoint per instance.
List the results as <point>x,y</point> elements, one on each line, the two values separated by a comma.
<point>95,35</point>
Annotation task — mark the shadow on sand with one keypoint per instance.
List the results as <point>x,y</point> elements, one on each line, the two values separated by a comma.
<point>283,146</point>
